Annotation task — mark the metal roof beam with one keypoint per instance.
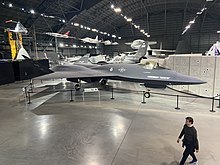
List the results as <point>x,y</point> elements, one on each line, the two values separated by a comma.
<point>82,5</point>
<point>41,8</point>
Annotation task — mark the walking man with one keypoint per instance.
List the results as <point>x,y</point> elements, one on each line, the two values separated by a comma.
<point>190,141</point>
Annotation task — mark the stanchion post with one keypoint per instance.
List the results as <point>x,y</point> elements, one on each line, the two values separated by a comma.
<point>25,90</point>
<point>31,86</point>
<point>71,95</point>
<point>218,102</point>
<point>112,93</point>
<point>29,97</point>
<point>99,96</point>
<point>177,102</point>
<point>143,101</point>
<point>213,102</point>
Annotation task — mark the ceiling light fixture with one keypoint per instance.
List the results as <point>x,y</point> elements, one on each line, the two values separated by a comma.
<point>32,11</point>
<point>117,10</point>
<point>76,24</point>
<point>192,22</point>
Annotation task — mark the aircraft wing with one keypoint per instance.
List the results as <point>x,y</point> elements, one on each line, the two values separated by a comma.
<point>128,43</point>
<point>164,51</point>
<point>76,74</point>
<point>124,72</point>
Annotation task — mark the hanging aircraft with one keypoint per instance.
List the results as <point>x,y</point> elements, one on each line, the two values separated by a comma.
<point>152,78</point>
<point>59,35</point>
<point>108,42</point>
<point>91,40</point>
<point>19,28</point>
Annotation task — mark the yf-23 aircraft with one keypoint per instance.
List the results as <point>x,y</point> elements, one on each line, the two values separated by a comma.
<point>153,78</point>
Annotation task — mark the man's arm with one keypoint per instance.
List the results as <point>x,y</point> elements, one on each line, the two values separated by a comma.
<point>181,135</point>
<point>196,141</point>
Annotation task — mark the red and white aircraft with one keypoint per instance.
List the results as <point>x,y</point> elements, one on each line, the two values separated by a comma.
<point>59,35</point>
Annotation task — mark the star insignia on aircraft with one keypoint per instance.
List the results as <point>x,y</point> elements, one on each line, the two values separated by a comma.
<point>122,69</point>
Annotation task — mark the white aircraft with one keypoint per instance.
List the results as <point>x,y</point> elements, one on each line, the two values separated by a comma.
<point>19,28</point>
<point>108,42</point>
<point>131,57</point>
<point>58,35</point>
<point>136,44</point>
<point>214,50</point>
<point>91,40</point>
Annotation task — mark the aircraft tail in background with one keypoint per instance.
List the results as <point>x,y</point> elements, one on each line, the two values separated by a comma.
<point>22,53</point>
<point>97,38</point>
<point>141,52</point>
<point>67,33</point>
<point>84,59</point>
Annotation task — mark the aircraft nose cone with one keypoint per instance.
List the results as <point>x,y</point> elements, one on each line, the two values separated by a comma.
<point>190,80</point>
<point>197,81</point>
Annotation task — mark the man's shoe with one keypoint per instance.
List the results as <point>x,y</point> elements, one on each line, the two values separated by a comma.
<point>194,162</point>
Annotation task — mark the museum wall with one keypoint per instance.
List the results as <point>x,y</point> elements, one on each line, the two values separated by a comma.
<point>206,68</point>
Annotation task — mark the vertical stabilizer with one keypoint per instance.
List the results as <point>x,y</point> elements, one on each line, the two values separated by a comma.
<point>84,59</point>
<point>97,38</point>
<point>142,50</point>
<point>21,53</point>
<point>67,33</point>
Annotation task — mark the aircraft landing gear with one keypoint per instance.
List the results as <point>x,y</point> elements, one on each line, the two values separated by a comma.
<point>77,87</point>
<point>103,82</point>
<point>147,94</point>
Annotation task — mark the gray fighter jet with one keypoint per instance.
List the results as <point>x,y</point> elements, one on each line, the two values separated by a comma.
<point>154,78</point>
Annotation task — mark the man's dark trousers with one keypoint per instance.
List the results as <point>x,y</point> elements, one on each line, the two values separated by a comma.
<point>190,149</point>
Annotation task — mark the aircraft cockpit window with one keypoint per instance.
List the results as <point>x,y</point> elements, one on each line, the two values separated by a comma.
<point>151,65</point>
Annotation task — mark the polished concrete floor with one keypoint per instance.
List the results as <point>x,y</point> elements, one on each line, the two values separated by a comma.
<point>53,130</point>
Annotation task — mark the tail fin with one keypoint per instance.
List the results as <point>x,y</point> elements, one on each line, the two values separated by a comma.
<point>22,54</point>
<point>35,68</point>
<point>67,33</point>
<point>97,38</point>
<point>142,50</point>
<point>84,59</point>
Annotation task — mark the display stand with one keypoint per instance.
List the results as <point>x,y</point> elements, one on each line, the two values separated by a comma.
<point>91,90</point>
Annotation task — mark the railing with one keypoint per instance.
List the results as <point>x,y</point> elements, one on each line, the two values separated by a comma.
<point>27,90</point>
<point>145,95</point>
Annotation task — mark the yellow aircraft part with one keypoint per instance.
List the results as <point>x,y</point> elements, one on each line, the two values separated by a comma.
<point>20,38</point>
<point>12,43</point>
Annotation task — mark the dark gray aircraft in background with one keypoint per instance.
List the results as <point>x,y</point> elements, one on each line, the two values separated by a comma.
<point>153,78</point>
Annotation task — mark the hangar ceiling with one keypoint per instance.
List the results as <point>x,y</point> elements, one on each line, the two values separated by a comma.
<point>164,20</point>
